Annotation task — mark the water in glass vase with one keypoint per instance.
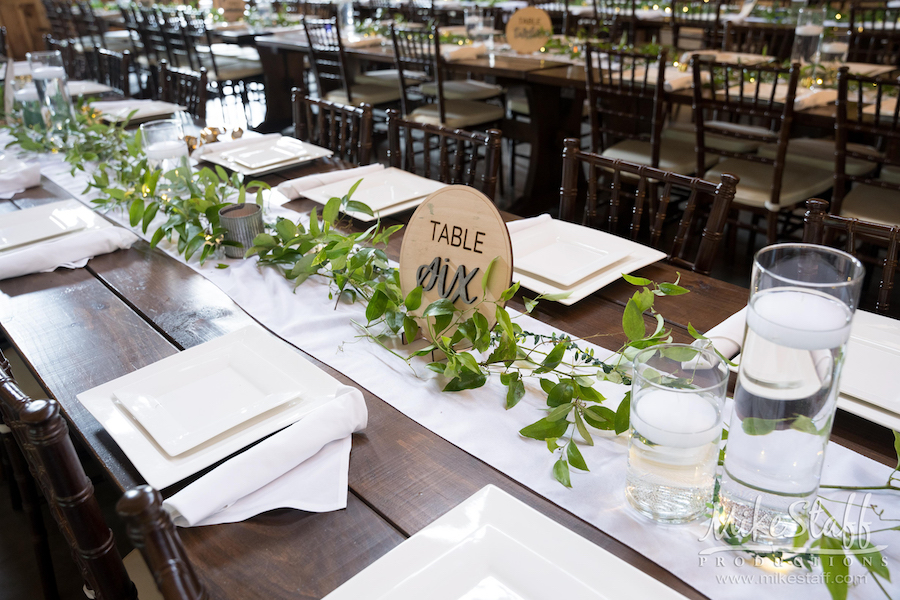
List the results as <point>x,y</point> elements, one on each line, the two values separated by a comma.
<point>784,403</point>
<point>166,155</point>
<point>672,454</point>
<point>50,82</point>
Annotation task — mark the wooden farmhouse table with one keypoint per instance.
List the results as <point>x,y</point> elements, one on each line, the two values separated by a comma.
<point>77,329</point>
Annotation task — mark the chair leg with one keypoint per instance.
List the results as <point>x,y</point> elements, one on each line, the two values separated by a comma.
<point>771,227</point>
<point>32,507</point>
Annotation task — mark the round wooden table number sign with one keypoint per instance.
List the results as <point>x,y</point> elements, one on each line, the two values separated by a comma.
<point>528,30</point>
<point>449,243</point>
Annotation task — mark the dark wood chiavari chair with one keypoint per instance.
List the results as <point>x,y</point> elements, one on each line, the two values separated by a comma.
<point>859,239</point>
<point>759,38</point>
<point>770,186</point>
<point>872,165</point>
<point>151,531</point>
<point>60,28</point>
<point>610,180</point>
<point>318,10</point>
<point>418,60</point>
<point>334,80</point>
<point>290,7</point>
<point>620,17</point>
<point>874,35</point>
<point>75,63</point>
<point>91,31</point>
<point>448,155</point>
<point>151,26</point>
<point>113,68</point>
<point>345,130</point>
<point>41,434</point>
<point>4,50</point>
<point>701,22</point>
<point>184,87</point>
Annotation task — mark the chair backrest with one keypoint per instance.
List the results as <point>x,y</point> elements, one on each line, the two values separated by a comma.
<point>195,34</point>
<point>701,196</point>
<point>877,133</point>
<point>345,130</point>
<point>622,14</point>
<point>42,435</point>
<point>417,57</point>
<point>90,29</point>
<point>759,38</point>
<point>4,49</point>
<point>173,28</point>
<point>74,62</point>
<point>326,56</point>
<point>819,227</point>
<point>874,35</point>
<point>702,15</point>
<point>294,7</point>
<point>444,154</point>
<point>184,87</point>
<point>112,69</point>
<point>129,20</point>
<point>625,94</point>
<point>61,28</point>
<point>762,94</point>
<point>319,10</point>
<point>559,16</point>
<point>421,11</point>
<point>151,27</point>
<point>152,532</point>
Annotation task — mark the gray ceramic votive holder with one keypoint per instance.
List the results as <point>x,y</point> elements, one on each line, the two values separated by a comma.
<point>242,223</point>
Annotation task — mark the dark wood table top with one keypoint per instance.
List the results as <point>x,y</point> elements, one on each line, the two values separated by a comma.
<point>80,328</point>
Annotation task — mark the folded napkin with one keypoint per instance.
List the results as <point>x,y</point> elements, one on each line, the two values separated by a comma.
<point>728,335</point>
<point>71,251</point>
<point>813,98</point>
<point>294,188</point>
<point>17,176</point>
<point>522,224</point>
<point>303,466</point>
<point>233,144</point>
<point>452,52</point>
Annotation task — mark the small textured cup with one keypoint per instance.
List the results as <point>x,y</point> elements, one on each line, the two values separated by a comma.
<point>242,223</point>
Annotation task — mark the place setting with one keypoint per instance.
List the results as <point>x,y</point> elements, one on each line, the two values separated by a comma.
<point>260,155</point>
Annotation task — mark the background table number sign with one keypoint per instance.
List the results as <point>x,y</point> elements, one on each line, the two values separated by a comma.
<point>528,30</point>
<point>449,243</point>
<point>232,10</point>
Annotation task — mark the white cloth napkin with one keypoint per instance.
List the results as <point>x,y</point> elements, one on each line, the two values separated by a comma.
<point>814,98</point>
<point>522,224</point>
<point>18,178</point>
<point>452,52</point>
<point>728,335</point>
<point>71,251</point>
<point>304,466</point>
<point>294,188</point>
<point>233,144</point>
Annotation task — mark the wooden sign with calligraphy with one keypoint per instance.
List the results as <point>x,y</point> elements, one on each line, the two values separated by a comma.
<point>528,30</point>
<point>232,10</point>
<point>449,243</point>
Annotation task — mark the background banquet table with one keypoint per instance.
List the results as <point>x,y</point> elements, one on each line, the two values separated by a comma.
<point>80,328</point>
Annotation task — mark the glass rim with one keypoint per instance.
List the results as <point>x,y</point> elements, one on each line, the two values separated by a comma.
<point>40,53</point>
<point>705,351</point>
<point>160,123</point>
<point>854,279</point>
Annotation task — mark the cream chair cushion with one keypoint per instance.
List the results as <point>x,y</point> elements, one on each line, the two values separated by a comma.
<point>369,93</point>
<point>459,113</point>
<point>463,89</point>
<point>141,576</point>
<point>870,203</point>
<point>819,154</point>
<point>675,156</point>
<point>389,77</point>
<point>799,182</point>
<point>890,174</point>
<point>687,132</point>
<point>234,70</point>
<point>518,104</point>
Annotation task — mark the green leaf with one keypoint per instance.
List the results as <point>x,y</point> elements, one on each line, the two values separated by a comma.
<point>552,360</point>
<point>509,292</point>
<point>221,266</point>
<point>897,447</point>
<point>636,280</point>
<point>414,298</point>
<point>670,289</point>
<point>265,240</point>
<point>561,472</point>
<point>135,212</point>
<point>196,242</point>
<point>561,393</point>
<point>440,307</point>
<point>505,322</point>
<point>560,412</point>
<point>515,390</point>
<point>376,306</point>
<point>756,426</point>
<point>466,380</point>
<point>410,328</point>
<point>544,428</point>
<point>330,212</point>
<point>530,304</point>
<point>804,424</point>
<point>870,558</point>
<point>582,430</point>
<point>680,353</point>
<point>600,417</point>
<point>633,321</point>
<point>547,385</point>
<point>623,413</point>
<point>835,570</point>
<point>149,213</point>
<point>360,207</point>
<point>574,456</point>
<point>486,278</point>
<point>157,237</point>
<point>695,334</point>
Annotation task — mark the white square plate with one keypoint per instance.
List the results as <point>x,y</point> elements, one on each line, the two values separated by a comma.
<point>206,395</point>
<point>267,156</point>
<point>116,111</point>
<point>160,469</point>
<point>385,192</point>
<point>872,352</point>
<point>562,253</point>
<point>495,543</point>
<point>23,227</point>
<point>634,256</point>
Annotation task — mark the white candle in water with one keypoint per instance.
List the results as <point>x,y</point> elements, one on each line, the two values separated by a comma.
<point>676,419</point>
<point>808,30</point>
<point>166,150</point>
<point>835,47</point>
<point>799,319</point>
<point>48,73</point>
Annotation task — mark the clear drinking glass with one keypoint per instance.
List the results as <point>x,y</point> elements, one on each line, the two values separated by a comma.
<point>810,23</point>
<point>49,76</point>
<point>473,17</point>
<point>677,397</point>
<point>833,50</point>
<point>164,144</point>
<point>801,304</point>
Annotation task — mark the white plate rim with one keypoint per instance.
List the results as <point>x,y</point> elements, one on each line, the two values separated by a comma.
<point>160,470</point>
<point>89,219</point>
<point>319,195</point>
<point>313,153</point>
